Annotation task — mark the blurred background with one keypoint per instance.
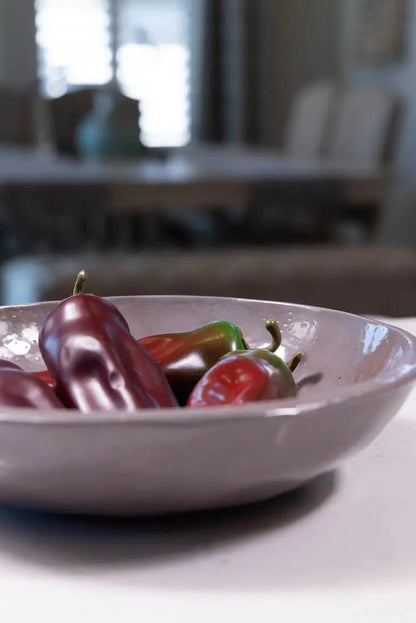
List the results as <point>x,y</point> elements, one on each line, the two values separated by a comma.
<point>252,148</point>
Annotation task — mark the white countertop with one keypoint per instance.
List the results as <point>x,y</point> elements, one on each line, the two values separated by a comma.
<point>340,550</point>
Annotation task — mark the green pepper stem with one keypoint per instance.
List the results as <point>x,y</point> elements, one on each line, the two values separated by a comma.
<point>80,283</point>
<point>273,328</point>
<point>296,359</point>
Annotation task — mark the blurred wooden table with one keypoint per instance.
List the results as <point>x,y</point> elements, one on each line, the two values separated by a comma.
<point>209,177</point>
<point>206,177</point>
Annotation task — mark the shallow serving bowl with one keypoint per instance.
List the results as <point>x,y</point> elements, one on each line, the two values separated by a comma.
<point>355,375</point>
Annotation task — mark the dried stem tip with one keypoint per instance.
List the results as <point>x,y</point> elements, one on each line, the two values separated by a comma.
<point>273,328</point>
<point>80,282</point>
<point>296,359</point>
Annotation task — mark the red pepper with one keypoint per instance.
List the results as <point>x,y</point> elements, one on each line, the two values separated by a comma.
<point>45,376</point>
<point>23,389</point>
<point>94,360</point>
<point>245,376</point>
<point>186,356</point>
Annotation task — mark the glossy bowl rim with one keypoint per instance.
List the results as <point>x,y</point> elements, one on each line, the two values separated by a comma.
<point>403,375</point>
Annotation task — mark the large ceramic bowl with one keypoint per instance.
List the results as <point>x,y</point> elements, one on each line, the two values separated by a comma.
<point>355,375</point>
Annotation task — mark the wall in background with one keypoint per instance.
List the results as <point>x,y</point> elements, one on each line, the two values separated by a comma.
<point>18,67</point>
<point>399,222</point>
<point>305,40</point>
<point>225,70</point>
<point>299,43</point>
<point>399,77</point>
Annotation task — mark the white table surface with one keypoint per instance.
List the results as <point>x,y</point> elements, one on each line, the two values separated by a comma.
<point>340,550</point>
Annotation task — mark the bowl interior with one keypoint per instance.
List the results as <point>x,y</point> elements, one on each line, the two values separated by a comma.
<point>341,350</point>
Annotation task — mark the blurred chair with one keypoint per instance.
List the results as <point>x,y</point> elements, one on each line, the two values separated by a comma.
<point>365,126</point>
<point>307,134</point>
<point>64,115</point>
<point>357,125</point>
<point>51,218</point>
<point>309,121</point>
<point>16,117</point>
<point>365,132</point>
<point>306,137</point>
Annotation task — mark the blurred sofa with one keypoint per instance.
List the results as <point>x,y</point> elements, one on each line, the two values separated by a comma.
<point>366,280</point>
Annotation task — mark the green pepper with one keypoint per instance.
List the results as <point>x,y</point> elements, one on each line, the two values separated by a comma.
<point>244,376</point>
<point>186,356</point>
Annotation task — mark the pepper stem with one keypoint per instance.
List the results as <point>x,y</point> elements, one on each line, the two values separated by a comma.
<point>296,359</point>
<point>80,283</point>
<point>273,328</point>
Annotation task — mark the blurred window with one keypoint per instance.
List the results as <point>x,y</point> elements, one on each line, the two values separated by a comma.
<point>80,41</point>
<point>74,44</point>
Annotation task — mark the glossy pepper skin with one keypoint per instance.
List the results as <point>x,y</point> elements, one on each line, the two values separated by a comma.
<point>243,377</point>
<point>45,376</point>
<point>96,363</point>
<point>23,389</point>
<point>186,357</point>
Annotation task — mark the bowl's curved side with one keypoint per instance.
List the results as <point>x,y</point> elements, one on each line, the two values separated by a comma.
<point>154,462</point>
<point>137,468</point>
